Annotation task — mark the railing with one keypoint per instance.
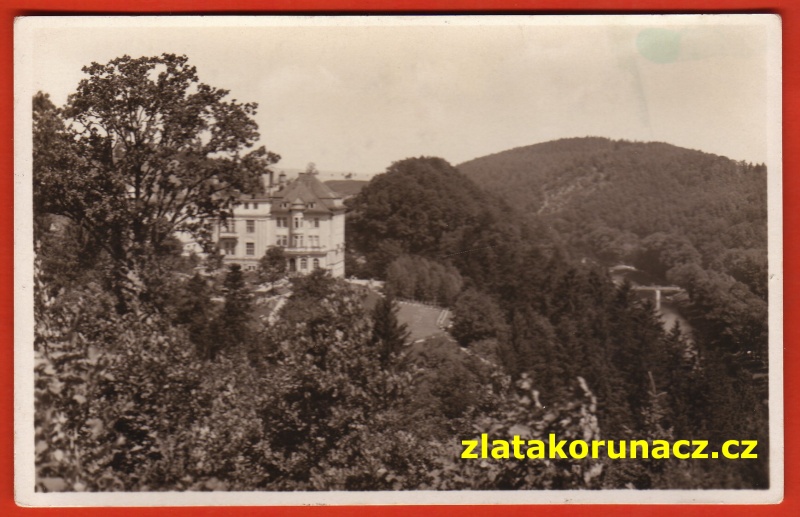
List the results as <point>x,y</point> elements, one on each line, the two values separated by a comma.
<point>664,288</point>
<point>301,249</point>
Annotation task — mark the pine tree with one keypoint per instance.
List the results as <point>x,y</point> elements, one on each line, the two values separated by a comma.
<point>235,318</point>
<point>388,334</point>
<point>197,312</point>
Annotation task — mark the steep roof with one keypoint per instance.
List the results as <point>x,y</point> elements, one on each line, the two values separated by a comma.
<point>307,189</point>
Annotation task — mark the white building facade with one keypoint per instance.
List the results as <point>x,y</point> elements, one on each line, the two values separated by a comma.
<point>304,217</point>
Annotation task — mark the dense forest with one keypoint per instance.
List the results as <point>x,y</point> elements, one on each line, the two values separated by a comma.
<point>531,304</point>
<point>155,370</point>
<point>689,218</point>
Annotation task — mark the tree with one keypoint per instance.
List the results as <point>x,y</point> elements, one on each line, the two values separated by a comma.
<point>235,318</point>
<point>272,266</point>
<point>477,317</point>
<point>414,277</point>
<point>304,306</point>
<point>159,153</point>
<point>388,334</point>
<point>195,310</point>
<point>53,152</point>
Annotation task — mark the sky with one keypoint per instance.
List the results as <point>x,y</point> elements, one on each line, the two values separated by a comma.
<point>355,95</point>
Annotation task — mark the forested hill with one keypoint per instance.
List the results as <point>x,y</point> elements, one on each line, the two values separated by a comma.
<point>519,300</point>
<point>689,218</point>
<point>605,196</point>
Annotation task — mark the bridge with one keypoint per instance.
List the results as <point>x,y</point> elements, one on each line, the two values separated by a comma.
<point>658,289</point>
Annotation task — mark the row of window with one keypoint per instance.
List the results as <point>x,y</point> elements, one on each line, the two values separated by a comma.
<point>283,222</point>
<point>229,246</point>
<point>247,206</point>
<point>250,224</point>
<point>312,204</point>
<point>230,226</point>
<point>297,241</point>
<point>303,264</point>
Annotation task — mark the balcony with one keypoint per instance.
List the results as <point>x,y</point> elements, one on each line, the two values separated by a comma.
<point>305,249</point>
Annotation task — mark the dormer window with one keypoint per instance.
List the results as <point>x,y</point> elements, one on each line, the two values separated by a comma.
<point>284,205</point>
<point>311,205</point>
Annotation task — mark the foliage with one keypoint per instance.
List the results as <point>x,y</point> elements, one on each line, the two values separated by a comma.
<point>149,151</point>
<point>521,414</point>
<point>195,309</point>
<point>235,318</point>
<point>104,384</point>
<point>272,266</point>
<point>426,208</point>
<point>388,334</point>
<point>477,317</point>
<point>689,218</point>
<point>328,393</point>
<point>451,385</point>
<point>417,278</point>
<point>182,393</point>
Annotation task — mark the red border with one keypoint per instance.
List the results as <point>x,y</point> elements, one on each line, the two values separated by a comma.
<point>791,184</point>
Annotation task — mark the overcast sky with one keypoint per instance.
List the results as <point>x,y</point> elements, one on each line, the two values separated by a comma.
<point>357,98</point>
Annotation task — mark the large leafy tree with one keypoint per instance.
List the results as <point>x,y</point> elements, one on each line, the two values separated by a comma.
<point>150,151</point>
<point>477,317</point>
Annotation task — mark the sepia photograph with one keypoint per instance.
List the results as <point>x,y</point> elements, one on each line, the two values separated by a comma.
<point>276,260</point>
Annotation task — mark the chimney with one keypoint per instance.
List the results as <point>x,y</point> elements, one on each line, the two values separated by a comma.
<point>282,179</point>
<point>267,181</point>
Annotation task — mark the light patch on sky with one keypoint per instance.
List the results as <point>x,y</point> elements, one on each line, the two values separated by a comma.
<point>357,98</point>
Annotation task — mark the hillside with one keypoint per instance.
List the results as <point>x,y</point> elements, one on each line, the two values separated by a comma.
<point>607,197</point>
<point>688,218</point>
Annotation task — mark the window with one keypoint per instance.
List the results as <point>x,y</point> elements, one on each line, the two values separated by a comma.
<point>250,248</point>
<point>246,206</point>
<point>316,222</point>
<point>316,263</point>
<point>282,222</point>
<point>297,241</point>
<point>283,240</point>
<point>255,206</point>
<point>229,247</point>
<point>228,226</point>
<point>303,264</point>
<point>251,226</point>
<point>313,241</point>
<point>298,222</point>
